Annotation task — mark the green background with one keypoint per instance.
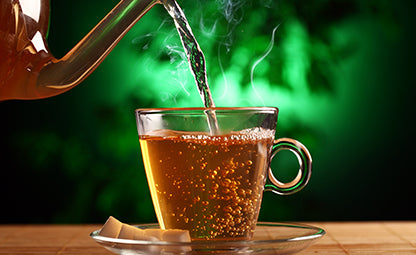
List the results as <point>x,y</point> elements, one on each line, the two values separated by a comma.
<point>341,72</point>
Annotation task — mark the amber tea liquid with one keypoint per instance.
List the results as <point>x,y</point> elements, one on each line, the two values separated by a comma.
<point>210,185</point>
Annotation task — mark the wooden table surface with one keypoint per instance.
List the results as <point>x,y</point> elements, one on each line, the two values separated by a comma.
<point>341,238</point>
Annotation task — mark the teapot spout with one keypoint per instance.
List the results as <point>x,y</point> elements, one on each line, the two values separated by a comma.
<point>59,76</point>
<point>42,75</point>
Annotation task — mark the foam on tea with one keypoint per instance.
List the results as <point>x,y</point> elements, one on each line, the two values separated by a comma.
<point>208,184</point>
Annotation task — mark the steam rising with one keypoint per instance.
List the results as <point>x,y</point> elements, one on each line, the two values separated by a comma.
<point>233,13</point>
<point>178,56</point>
<point>221,23</point>
<point>258,61</point>
<point>231,10</point>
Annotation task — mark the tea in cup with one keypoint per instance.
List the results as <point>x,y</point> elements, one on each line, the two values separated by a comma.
<point>212,183</point>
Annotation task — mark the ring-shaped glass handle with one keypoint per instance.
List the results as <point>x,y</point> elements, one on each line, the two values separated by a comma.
<point>305,167</point>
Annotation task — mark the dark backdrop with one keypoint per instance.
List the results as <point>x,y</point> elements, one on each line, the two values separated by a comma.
<point>341,72</point>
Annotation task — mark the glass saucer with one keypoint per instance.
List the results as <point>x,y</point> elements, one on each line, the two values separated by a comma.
<point>269,238</point>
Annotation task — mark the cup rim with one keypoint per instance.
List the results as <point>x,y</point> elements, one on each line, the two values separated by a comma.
<point>177,110</point>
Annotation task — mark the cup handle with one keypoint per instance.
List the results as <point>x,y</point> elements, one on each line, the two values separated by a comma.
<point>305,167</point>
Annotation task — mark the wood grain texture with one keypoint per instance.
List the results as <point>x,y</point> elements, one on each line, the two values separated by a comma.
<point>341,238</point>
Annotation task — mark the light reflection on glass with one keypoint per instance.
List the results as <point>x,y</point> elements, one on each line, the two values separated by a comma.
<point>38,42</point>
<point>31,8</point>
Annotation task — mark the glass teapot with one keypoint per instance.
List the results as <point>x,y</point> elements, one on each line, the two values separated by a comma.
<point>27,68</point>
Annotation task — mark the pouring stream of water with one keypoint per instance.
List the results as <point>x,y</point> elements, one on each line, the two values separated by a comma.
<point>196,60</point>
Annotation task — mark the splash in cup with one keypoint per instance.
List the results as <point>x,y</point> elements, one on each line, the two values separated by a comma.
<point>212,184</point>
